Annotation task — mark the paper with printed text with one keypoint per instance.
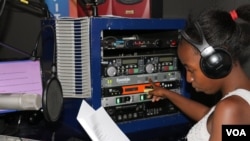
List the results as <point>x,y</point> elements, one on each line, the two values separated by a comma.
<point>98,124</point>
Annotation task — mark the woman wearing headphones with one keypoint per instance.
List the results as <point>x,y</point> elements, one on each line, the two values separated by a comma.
<point>210,52</point>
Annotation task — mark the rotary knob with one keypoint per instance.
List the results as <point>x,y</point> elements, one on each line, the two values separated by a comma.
<point>157,43</point>
<point>149,68</point>
<point>111,71</point>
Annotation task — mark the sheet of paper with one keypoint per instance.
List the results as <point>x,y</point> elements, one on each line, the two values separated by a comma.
<point>99,125</point>
<point>22,76</point>
<point>83,118</point>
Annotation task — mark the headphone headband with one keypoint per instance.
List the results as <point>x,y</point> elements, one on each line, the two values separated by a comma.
<point>215,63</point>
<point>204,48</point>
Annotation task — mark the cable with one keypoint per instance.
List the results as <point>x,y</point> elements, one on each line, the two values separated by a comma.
<point>2,7</point>
<point>18,125</point>
<point>33,56</point>
<point>35,49</point>
<point>15,49</point>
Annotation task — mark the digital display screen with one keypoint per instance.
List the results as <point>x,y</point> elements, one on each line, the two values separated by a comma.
<point>129,61</point>
<point>165,59</point>
<point>131,89</point>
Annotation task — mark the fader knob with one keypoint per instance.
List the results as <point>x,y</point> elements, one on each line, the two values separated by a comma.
<point>158,43</point>
<point>111,71</point>
<point>149,68</point>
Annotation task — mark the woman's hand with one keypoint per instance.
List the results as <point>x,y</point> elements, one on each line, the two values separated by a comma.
<point>157,93</point>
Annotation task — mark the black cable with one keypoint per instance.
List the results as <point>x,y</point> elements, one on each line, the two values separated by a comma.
<point>34,53</point>
<point>15,49</point>
<point>18,125</point>
<point>33,56</point>
<point>35,49</point>
<point>2,6</point>
<point>95,8</point>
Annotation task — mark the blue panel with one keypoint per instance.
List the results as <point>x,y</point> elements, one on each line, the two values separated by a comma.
<point>59,8</point>
<point>100,24</point>
<point>97,26</point>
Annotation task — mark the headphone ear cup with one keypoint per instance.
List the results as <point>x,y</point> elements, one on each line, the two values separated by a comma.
<point>217,65</point>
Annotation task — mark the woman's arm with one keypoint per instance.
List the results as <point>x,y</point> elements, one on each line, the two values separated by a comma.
<point>191,108</point>
<point>230,111</point>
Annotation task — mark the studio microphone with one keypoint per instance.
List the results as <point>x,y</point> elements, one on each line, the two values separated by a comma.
<point>20,101</point>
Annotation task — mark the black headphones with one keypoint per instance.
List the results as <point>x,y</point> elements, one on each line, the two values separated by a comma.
<point>215,63</point>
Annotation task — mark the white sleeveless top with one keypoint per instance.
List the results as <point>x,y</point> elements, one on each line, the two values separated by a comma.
<point>199,131</point>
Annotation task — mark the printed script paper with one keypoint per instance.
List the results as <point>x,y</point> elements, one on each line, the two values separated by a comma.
<point>98,124</point>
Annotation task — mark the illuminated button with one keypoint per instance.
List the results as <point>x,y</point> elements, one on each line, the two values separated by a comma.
<point>119,117</point>
<point>130,71</point>
<point>142,97</point>
<point>118,100</point>
<point>136,70</point>
<point>171,67</point>
<point>165,68</point>
<point>125,117</point>
<point>173,43</point>
<point>109,81</point>
<point>135,115</point>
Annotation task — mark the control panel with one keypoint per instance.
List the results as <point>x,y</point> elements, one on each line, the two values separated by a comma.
<point>129,59</point>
